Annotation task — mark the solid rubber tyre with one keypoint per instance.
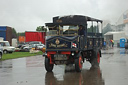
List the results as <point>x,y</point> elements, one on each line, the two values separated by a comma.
<point>95,60</point>
<point>48,66</point>
<point>78,64</point>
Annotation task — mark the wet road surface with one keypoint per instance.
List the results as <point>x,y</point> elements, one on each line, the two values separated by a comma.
<point>113,70</point>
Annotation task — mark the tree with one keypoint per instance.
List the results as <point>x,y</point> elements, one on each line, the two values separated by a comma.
<point>21,34</point>
<point>41,28</point>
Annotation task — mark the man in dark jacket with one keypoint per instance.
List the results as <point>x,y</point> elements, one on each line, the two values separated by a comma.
<point>81,30</point>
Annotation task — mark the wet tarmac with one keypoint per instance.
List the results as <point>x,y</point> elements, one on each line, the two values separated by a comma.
<point>113,70</point>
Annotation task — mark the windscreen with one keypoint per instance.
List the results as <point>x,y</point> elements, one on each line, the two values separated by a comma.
<point>65,30</point>
<point>4,43</point>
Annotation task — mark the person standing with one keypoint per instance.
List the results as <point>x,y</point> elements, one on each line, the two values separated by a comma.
<point>104,44</point>
<point>112,43</point>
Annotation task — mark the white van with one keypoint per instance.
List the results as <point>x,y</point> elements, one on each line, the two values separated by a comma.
<point>6,47</point>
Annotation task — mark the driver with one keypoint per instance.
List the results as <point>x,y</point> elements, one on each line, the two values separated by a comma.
<point>81,30</point>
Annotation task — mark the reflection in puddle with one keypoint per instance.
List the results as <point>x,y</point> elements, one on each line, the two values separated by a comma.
<point>86,77</point>
<point>109,51</point>
<point>114,51</point>
<point>123,51</point>
<point>35,61</point>
<point>6,64</point>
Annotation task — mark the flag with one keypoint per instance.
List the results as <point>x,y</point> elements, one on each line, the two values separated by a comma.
<point>74,45</point>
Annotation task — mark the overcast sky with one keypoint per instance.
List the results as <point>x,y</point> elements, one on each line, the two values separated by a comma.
<point>26,15</point>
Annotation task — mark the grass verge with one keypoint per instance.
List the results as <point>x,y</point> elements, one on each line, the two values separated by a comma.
<point>19,55</point>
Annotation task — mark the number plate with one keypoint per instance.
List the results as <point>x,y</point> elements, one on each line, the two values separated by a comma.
<point>60,57</point>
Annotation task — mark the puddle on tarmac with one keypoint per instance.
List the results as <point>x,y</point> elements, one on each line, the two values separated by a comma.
<point>93,76</point>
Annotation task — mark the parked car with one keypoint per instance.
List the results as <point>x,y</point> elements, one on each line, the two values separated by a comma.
<point>26,48</point>
<point>35,42</point>
<point>20,44</point>
<point>6,47</point>
<point>40,46</point>
<point>1,52</point>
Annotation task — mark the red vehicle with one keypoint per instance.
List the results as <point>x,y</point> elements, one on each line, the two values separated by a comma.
<point>35,36</point>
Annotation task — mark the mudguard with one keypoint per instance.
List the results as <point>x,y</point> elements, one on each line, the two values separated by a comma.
<point>77,55</point>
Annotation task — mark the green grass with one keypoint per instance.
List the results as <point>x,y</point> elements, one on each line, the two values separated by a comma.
<point>19,55</point>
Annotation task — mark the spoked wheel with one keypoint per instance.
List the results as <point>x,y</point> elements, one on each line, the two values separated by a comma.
<point>95,60</point>
<point>48,66</point>
<point>78,64</point>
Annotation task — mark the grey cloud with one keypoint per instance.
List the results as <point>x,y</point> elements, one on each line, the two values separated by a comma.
<point>25,15</point>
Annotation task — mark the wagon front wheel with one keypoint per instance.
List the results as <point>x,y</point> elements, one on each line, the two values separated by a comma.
<point>48,66</point>
<point>78,64</point>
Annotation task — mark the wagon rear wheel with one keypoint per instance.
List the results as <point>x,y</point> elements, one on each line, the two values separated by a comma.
<point>95,60</point>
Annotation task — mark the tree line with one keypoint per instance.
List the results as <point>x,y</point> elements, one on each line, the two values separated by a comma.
<point>16,34</point>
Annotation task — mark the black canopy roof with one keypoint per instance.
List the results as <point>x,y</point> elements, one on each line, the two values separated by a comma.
<point>72,20</point>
